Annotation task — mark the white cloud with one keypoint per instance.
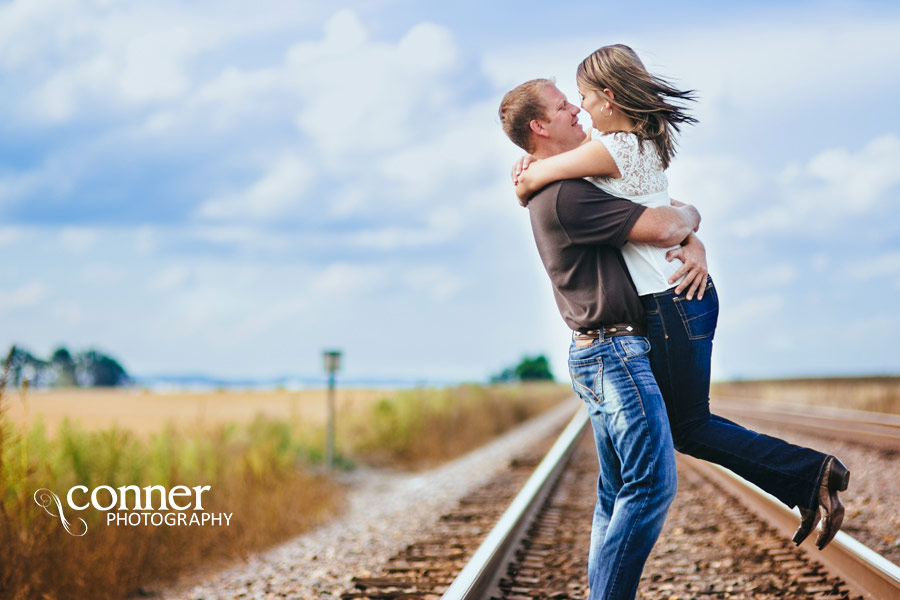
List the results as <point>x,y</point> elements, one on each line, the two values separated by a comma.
<point>77,239</point>
<point>78,56</point>
<point>279,192</point>
<point>771,275</point>
<point>437,284</point>
<point>68,314</point>
<point>471,144</point>
<point>10,236</point>
<point>748,313</point>
<point>249,237</point>
<point>817,197</point>
<point>391,238</point>
<point>717,184</point>
<point>344,280</point>
<point>24,296</point>
<point>765,221</point>
<point>261,321</point>
<point>440,226</point>
<point>773,65</point>
<point>820,262</point>
<point>170,278</point>
<point>512,64</point>
<point>17,185</point>
<point>755,65</point>
<point>877,267</point>
<point>146,240</point>
<point>360,95</point>
<point>104,274</point>
<point>840,182</point>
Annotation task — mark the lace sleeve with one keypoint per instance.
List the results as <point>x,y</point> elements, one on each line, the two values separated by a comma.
<point>639,164</point>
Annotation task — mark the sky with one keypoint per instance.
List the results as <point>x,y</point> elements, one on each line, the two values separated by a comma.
<point>229,189</point>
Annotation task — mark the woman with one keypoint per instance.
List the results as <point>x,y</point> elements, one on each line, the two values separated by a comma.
<point>636,115</point>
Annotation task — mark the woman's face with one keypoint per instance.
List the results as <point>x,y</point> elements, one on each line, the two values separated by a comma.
<point>597,106</point>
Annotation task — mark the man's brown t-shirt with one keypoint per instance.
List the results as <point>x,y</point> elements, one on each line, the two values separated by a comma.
<point>579,229</point>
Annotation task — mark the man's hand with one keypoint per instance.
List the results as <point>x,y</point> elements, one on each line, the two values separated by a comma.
<point>694,269</point>
<point>517,169</point>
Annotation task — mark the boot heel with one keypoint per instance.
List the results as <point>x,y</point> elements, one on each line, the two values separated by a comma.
<point>839,476</point>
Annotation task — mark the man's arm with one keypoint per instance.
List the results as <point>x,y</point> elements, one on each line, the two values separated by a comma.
<point>665,226</point>
<point>590,215</point>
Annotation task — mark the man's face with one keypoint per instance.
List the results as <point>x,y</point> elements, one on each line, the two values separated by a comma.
<point>561,119</point>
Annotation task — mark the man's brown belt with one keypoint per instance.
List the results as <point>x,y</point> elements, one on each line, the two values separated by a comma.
<point>613,331</point>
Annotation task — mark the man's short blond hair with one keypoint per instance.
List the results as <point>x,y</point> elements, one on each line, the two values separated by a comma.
<point>519,107</point>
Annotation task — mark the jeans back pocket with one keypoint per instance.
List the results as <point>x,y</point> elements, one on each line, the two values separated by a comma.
<point>587,378</point>
<point>699,316</point>
<point>629,347</point>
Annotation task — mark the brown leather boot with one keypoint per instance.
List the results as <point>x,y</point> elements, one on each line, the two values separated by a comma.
<point>808,520</point>
<point>835,478</point>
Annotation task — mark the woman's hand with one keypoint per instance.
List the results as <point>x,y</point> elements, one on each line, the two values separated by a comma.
<point>525,185</point>
<point>519,166</point>
<point>694,269</point>
<point>518,169</point>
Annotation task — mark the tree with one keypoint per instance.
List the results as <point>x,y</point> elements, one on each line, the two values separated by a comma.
<point>23,366</point>
<point>64,365</point>
<point>100,370</point>
<point>85,369</point>
<point>529,369</point>
<point>534,369</point>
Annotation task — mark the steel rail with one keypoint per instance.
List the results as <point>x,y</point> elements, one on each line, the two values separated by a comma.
<point>865,572</point>
<point>482,572</point>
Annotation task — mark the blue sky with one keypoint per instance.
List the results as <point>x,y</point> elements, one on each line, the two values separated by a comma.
<point>207,187</point>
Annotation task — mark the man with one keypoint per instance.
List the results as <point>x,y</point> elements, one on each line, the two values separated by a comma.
<point>578,229</point>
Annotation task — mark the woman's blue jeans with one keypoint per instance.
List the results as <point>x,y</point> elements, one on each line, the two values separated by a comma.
<point>637,461</point>
<point>681,336</point>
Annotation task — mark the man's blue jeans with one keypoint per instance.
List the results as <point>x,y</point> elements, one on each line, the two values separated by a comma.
<point>681,335</point>
<point>637,461</point>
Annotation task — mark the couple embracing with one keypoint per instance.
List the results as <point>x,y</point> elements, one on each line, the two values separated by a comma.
<point>630,279</point>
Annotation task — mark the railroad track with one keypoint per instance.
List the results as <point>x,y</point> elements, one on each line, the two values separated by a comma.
<point>725,539</point>
<point>865,572</point>
<point>861,427</point>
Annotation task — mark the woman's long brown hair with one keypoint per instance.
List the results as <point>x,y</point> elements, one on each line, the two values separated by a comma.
<point>645,98</point>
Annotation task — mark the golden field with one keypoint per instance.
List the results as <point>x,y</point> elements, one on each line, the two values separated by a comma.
<point>144,412</point>
<point>876,394</point>
<point>260,453</point>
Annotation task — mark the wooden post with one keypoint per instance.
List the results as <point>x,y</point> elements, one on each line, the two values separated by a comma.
<point>332,364</point>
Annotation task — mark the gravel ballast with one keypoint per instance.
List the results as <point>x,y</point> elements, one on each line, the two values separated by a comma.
<point>384,511</point>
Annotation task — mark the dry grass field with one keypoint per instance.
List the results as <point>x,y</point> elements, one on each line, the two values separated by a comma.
<point>144,412</point>
<point>876,394</point>
<point>260,454</point>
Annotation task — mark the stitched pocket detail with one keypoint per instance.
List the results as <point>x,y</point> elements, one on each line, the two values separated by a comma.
<point>587,379</point>
<point>699,316</point>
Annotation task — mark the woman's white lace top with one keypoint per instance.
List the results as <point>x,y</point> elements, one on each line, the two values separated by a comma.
<point>643,181</point>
